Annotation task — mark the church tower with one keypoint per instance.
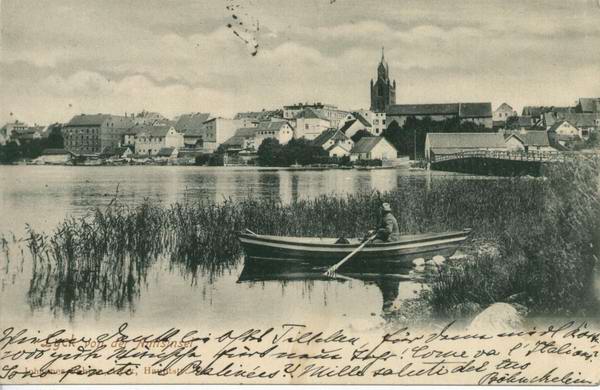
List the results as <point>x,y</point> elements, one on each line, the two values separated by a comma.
<point>383,91</point>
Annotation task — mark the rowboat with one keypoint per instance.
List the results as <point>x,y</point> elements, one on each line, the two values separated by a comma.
<point>316,252</point>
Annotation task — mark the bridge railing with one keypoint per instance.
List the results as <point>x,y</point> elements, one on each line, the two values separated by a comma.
<point>532,155</point>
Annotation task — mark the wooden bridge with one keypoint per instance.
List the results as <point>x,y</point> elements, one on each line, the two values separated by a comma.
<point>503,163</point>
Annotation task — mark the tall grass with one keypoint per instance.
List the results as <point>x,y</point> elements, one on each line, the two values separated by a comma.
<point>546,257</point>
<point>541,225</point>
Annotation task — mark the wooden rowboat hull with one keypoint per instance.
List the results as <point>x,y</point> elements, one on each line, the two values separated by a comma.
<point>324,252</point>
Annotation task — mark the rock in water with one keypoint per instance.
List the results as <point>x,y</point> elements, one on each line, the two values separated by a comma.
<point>499,317</point>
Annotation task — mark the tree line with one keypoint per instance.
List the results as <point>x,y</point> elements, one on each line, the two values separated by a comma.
<point>410,137</point>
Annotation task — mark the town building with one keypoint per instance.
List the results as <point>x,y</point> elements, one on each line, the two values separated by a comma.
<point>373,148</point>
<point>117,152</point>
<point>501,115</point>
<point>27,134</point>
<point>7,130</point>
<point>356,124</point>
<point>252,118</point>
<point>383,91</point>
<point>168,153</point>
<point>243,139</point>
<point>588,105</point>
<point>334,115</point>
<point>587,122</point>
<point>151,139</point>
<point>564,130</point>
<point>376,119</point>
<point>536,112</point>
<point>250,138</point>
<point>478,113</point>
<point>218,130</point>
<point>280,130</point>
<point>439,144</point>
<point>310,123</point>
<point>526,141</point>
<point>335,142</point>
<point>192,127</point>
<point>522,122</point>
<point>149,118</point>
<point>90,134</point>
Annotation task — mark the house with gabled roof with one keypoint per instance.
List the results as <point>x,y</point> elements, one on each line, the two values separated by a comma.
<point>437,144</point>
<point>151,139</point>
<point>281,130</point>
<point>243,139</point>
<point>564,130</point>
<point>310,123</point>
<point>355,124</point>
<point>586,122</point>
<point>503,112</point>
<point>191,125</point>
<point>335,142</point>
<point>167,153</point>
<point>373,148</point>
<point>532,140</point>
<point>117,152</point>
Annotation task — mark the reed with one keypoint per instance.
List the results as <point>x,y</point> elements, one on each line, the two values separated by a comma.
<point>104,257</point>
<point>546,258</point>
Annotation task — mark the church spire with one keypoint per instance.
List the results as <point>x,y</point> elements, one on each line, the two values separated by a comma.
<point>383,91</point>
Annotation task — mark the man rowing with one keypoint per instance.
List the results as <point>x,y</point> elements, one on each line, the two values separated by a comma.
<point>388,228</point>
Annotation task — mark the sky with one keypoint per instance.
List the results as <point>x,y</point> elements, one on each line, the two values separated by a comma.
<point>60,58</point>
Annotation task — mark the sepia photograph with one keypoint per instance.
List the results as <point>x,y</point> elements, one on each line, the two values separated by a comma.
<point>300,192</point>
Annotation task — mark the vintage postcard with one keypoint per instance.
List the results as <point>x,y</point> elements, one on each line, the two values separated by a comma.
<point>300,192</point>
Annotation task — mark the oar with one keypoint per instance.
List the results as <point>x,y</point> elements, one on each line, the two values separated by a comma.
<point>334,267</point>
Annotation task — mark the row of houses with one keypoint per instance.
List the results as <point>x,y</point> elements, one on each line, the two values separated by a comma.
<point>584,115</point>
<point>148,132</point>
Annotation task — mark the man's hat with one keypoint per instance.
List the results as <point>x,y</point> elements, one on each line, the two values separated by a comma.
<point>386,207</point>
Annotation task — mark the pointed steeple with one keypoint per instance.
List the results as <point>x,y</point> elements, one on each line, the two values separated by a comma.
<point>382,69</point>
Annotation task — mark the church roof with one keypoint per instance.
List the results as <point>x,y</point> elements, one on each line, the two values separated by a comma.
<point>464,110</point>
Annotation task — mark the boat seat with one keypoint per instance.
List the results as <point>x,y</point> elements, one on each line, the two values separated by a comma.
<point>342,240</point>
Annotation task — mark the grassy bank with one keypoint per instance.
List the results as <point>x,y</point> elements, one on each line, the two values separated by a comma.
<point>544,260</point>
<point>542,230</point>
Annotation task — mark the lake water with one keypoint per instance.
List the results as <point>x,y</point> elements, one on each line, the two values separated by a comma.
<point>43,196</point>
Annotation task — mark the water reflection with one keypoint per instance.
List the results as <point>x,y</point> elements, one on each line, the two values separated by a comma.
<point>402,284</point>
<point>44,196</point>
